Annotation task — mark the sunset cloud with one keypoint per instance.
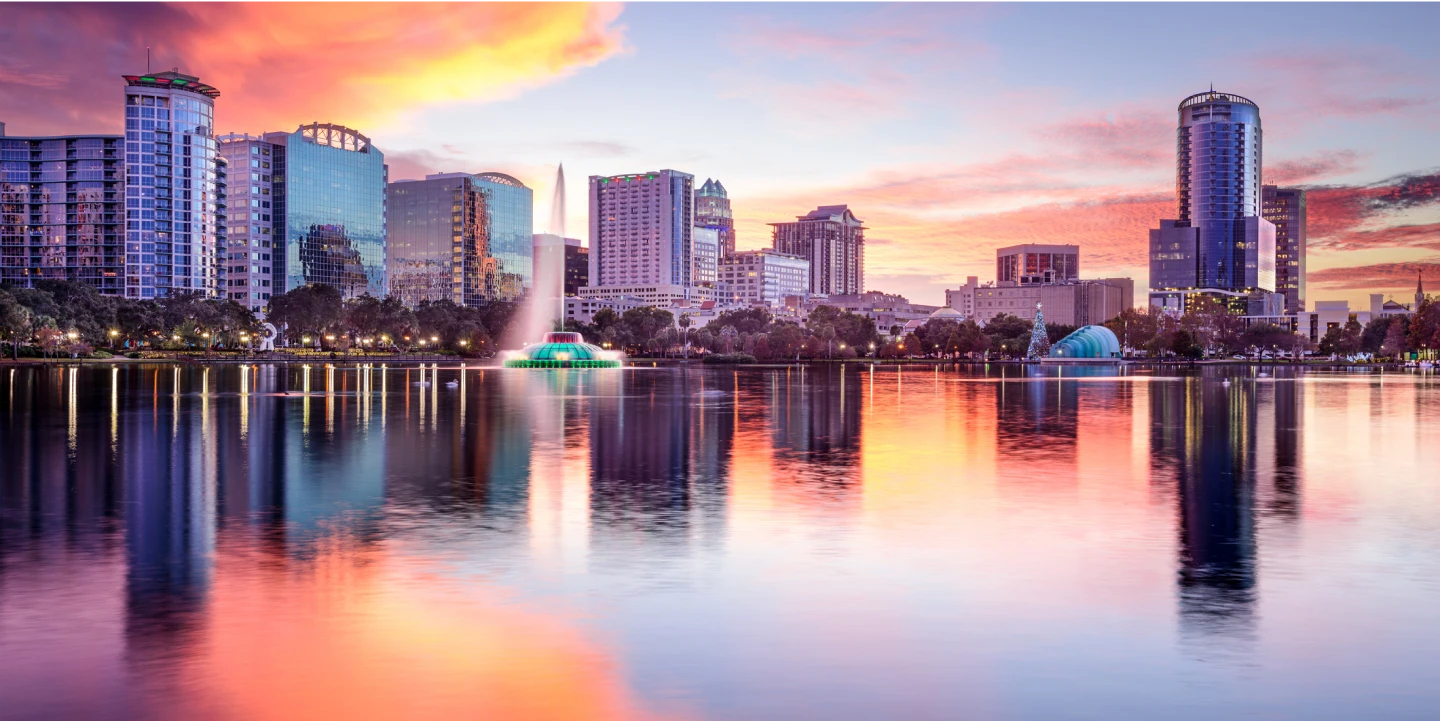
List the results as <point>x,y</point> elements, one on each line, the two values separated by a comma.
<point>282,65</point>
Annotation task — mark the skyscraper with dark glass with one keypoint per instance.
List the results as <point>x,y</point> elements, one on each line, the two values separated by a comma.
<point>712,211</point>
<point>62,210</point>
<point>1285,208</point>
<point>170,201</point>
<point>1218,245</point>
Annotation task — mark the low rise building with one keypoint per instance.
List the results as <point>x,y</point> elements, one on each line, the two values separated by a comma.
<point>761,277</point>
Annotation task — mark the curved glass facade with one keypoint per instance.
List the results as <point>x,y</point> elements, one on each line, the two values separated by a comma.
<point>334,210</point>
<point>170,202</point>
<point>1218,159</point>
<point>509,209</point>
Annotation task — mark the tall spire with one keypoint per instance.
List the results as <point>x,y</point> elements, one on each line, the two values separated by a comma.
<point>1419,288</point>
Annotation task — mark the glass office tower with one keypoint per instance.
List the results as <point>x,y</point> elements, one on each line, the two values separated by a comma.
<point>511,229</point>
<point>1218,153</point>
<point>1285,207</point>
<point>1219,245</point>
<point>329,197</point>
<point>62,210</point>
<point>438,243</point>
<point>171,220</point>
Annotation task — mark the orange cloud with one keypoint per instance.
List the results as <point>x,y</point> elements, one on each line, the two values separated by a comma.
<point>282,65</point>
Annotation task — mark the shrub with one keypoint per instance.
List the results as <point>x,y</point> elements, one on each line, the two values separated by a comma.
<point>729,358</point>
<point>134,355</point>
<point>101,355</point>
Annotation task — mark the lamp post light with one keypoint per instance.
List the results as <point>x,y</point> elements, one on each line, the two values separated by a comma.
<point>114,334</point>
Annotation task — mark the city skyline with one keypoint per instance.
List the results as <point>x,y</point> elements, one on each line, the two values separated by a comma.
<point>936,124</point>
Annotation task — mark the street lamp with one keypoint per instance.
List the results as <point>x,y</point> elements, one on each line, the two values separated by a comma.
<point>464,343</point>
<point>422,342</point>
<point>72,335</point>
<point>434,339</point>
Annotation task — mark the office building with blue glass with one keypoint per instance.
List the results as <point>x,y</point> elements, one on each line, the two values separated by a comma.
<point>1219,245</point>
<point>171,217</point>
<point>510,228</point>
<point>328,195</point>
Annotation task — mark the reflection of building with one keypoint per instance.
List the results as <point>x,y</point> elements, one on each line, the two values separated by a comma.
<point>712,211</point>
<point>817,417</point>
<point>1219,245</point>
<point>762,277</point>
<point>437,242</point>
<point>1285,208</point>
<point>1204,433</point>
<point>833,240</point>
<point>328,190</point>
<point>170,185</point>
<point>62,210</point>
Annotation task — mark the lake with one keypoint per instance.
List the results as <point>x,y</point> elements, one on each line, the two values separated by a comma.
<point>823,542</point>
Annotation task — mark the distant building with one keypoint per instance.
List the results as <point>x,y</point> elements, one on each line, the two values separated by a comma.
<point>761,277</point>
<point>833,240</point>
<point>1285,208</point>
<point>888,310</point>
<point>1034,264</point>
<point>577,266</point>
<point>1219,245</point>
<point>1046,274</point>
<point>641,230</point>
<point>583,310</point>
<point>712,211</point>
<point>219,261</point>
<point>63,210</point>
<point>170,152</point>
<point>510,227</point>
<point>437,245</point>
<point>705,256</point>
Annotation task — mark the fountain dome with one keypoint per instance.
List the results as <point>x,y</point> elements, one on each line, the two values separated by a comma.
<point>563,350</point>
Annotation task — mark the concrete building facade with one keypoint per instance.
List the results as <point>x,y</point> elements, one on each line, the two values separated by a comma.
<point>832,239</point>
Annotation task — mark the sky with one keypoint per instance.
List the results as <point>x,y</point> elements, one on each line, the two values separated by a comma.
<point>949,129</point>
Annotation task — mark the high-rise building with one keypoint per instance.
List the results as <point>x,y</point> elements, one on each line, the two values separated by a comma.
<point>712,210</point>
<point>1285,208</point>
<point>254,225</point>
<point>62,210</point>
<point>641,229</point>
<point>753,277</point>
<point>170,151</point>
<point>437,241</point>
<point>1219,245</point>
<point>1032,264</point>
<point>219,260</point>
<point>577,266</point>
<point>832,239</point>
<point>704,256</point>
<point>328,190</point>
<point>510,227</point>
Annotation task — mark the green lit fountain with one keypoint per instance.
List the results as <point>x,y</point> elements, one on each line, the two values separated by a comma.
<point>562,350</point>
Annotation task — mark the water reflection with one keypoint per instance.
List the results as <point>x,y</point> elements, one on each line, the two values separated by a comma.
<point>265,541</point>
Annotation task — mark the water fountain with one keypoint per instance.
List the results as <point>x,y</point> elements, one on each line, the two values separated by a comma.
<point>546,305</point>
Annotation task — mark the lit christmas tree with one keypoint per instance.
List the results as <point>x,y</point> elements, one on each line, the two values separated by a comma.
<point>1039,341</point>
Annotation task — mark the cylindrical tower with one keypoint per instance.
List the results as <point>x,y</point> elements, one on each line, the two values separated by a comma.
<point>1218,154</point>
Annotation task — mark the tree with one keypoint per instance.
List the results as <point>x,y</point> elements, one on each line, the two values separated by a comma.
<point>1342,340</point>
<point>1265,335</point>
<point>786,341</point>
<point>15,321</point>
<point>1183,344</point>
<point>1394,344</point>
<point>1424,331</point>
<point>308,310</point>
<point>972,339</point>
<point>748,320</point>
<point>852,329</point>
<point>826,334</point>
<point>1010,334</point>
<point>1135,327</point>
<point>728,334</point>
<point>1039,339</point>
<point>644,323</point>
<point>1375,331</point>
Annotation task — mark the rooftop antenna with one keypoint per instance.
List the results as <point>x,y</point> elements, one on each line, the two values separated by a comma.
<point>1212,86</point>
<point>147,59</point>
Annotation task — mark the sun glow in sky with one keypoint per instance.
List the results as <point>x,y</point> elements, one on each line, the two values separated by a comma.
<point>949,129</point>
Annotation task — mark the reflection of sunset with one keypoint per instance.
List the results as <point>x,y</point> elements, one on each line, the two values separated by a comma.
<point>370,634</point>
